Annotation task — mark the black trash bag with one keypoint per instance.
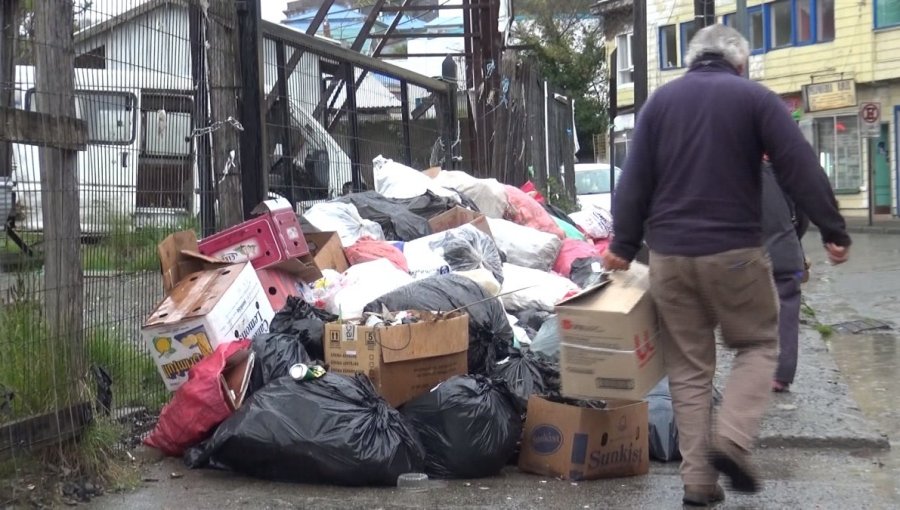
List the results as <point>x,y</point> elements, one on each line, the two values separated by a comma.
<point>469,426</point>
<point>531,320</point>
<point>466,248</point>
<point>334,429</point>
<point>300,318</point>
<point>583,274</point>
<point>428,205</point>
<point>490,335</point>
<point>467,202</point>
<point>397,221</point>
<point>556,212</point>
<point>526,375</point>
<point>663,432</point>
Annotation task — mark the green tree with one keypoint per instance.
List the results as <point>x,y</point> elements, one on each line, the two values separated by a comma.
<point>567,42</point>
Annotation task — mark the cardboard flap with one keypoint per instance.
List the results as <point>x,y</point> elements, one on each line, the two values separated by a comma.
<point>621,292</point>
<point>179,257</point>
<point>436,337</point>
<point>235,377</point>
<point>195,295</point>
<point>272,205</point>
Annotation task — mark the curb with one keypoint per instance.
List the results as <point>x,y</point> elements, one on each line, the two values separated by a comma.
<point>865,229</point>
<point>880,442</point>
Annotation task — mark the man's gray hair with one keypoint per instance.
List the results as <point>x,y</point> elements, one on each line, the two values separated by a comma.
<point>719,40</point>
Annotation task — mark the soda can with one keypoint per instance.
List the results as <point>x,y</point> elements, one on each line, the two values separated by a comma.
<point>302,372</point>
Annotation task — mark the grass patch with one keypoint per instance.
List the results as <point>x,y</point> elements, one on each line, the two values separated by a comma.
<point>98,454</point>
<point>135,378</point>
<point>128,248</point>
<point>825,331</point>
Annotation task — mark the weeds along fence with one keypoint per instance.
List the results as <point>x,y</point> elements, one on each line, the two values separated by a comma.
<point>131,129</point>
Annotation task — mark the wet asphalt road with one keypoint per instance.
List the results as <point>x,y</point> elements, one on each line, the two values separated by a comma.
<point>815,478</point>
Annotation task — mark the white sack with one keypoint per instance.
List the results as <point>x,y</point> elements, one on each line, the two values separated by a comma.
<point>543,290</point>
<point>345,220</point>
<point>396,180</point>
<point>488,194</point>
<point>525,246</point>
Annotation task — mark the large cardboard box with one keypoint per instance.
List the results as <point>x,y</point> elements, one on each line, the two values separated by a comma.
<point>457,217</point>
<point>403,361</point>
<point>203,311</point>
<point>609,339</point>
<point>576,443</point>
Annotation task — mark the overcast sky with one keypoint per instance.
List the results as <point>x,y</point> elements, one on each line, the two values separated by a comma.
<point>272,10</point>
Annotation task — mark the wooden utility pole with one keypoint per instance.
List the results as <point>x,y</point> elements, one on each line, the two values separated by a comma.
<point>55,96</point>
<point>8,28</point>
<point>254,160</point>
<point>221,62</point>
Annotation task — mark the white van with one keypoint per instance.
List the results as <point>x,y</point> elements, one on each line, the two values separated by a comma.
<point>139,167</point>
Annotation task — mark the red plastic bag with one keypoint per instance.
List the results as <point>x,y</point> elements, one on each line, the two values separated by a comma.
<point>601,245</point>
<point>527,212</point>
<point>367,250</point>
<point>572,250</point>
<point>198,406</point>
<point>533,192</point>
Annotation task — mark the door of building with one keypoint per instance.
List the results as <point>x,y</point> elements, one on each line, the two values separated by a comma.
<point>878,147</point>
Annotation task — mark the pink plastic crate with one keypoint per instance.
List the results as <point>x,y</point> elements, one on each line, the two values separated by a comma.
<point>278,286</point>
<point>272,237</point>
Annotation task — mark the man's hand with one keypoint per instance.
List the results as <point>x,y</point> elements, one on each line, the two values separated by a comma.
<point>837,254</point>
<point>613,262</point>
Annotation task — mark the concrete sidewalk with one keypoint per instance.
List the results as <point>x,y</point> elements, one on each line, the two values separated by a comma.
<point>882,224</point>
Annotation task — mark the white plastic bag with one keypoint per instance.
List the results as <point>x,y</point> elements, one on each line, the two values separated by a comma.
<point>525,246</point>
<point>541,290</point>
<point>364,283</point>
<point>345,220</point>
<point>422,260</point>
<point>488,194</point>
<point>596,221</point>
<point>320,293</point>
<point>395,180</point>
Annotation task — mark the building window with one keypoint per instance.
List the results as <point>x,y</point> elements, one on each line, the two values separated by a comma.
<point>803,19</point>
<point>825,19</point>
<point>757,30</point>
<point>623,59</point>
<point>780,23</point>
<point>887,13</point>
<point>836,141</point>
<point>687,33</point>
<point>668,47</point>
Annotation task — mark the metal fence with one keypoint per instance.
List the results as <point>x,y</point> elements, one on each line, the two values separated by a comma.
<point>133,130</point>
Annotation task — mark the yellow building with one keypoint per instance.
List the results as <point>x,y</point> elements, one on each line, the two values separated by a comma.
<point>835,63</point>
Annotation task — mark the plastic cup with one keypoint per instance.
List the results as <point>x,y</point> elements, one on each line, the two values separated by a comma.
<point>412,481</point>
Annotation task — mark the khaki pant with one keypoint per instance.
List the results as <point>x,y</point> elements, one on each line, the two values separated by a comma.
<point>693,295</point>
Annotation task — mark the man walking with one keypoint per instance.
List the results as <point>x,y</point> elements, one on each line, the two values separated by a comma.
<point>693,178</point>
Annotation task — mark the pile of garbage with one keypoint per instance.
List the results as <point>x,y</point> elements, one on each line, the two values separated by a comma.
<point>402,330</point>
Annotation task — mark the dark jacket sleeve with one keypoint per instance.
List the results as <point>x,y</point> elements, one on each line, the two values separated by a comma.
<point>631,201</point>
<point>798,169</point>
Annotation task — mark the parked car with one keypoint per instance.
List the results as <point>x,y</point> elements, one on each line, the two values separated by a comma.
<point>592,185</point>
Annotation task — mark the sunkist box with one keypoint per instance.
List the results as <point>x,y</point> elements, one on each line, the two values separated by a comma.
<point>204,310</point>
<point>402,361</point>
<point>576,443</point>
<point>610,339</point>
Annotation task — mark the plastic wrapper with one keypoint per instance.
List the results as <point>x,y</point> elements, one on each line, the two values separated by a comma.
<point>546,342</point>
<point>526,288</point>
<point>587,271</point>
<point>367,250</point>
<point>345,220</point>
<point>525,246</point>
<point>490,334</point>
<point>321,292</point>
<point>334,429</point>
<point>469,426</point>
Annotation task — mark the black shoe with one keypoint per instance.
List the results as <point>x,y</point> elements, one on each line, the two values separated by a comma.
<point>703,495</point>
<point>734,462</point>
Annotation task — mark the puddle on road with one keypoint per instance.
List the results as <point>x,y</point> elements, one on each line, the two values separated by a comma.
<point>870,364</point>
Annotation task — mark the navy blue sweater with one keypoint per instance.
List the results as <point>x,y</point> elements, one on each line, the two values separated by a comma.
<point>692,176</point>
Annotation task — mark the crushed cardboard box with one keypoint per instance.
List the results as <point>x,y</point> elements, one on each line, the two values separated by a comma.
<point>610,339</point>
<point>402,361</point>
<point>457,217</point>
<point>577,443</point>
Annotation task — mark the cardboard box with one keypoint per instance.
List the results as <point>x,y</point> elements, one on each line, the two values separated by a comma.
<point>575,443</point>
<point>203,311</point>
<point>609,339</point>
<point>272,237</point>
<point>325,252</point>
<point>178,258</point>
<point>403,361</point>
<point>235,377</point>
<point>457,217</point>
